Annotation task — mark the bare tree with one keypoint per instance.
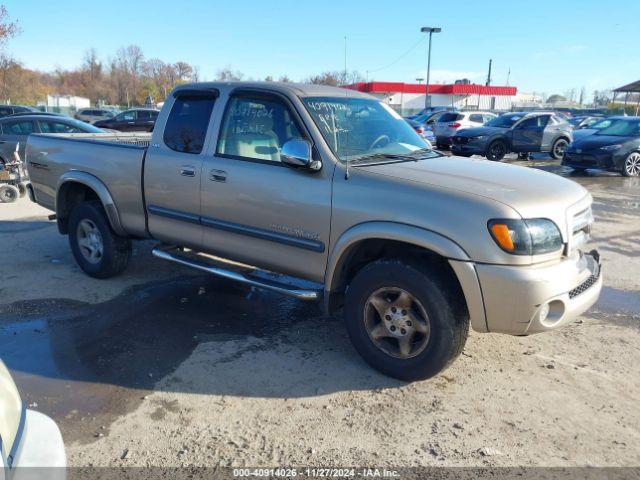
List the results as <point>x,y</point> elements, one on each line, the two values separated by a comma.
<point>8,28</point>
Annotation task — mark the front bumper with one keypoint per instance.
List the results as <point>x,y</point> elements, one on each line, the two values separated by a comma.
<point>515,296</point>
<point>40,453</point>
<point>604,160</point>
<point>468,148</point>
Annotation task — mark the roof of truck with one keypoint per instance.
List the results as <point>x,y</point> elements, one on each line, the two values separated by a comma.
<point>299,89</point>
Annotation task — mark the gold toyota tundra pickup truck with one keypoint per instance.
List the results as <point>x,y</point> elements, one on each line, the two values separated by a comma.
<point>332,187</point>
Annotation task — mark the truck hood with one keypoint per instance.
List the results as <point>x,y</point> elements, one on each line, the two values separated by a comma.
<point>531,192</point>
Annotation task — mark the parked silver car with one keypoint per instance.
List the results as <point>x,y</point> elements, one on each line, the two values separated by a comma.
<point>15,129</point>
<point>92,115</point>
<point>449,123</point>
<point>28,438</point>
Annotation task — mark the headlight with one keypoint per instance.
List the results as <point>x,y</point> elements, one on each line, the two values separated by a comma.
<point>479,137</point>
<point>611,148</point>
<point>526,237</point>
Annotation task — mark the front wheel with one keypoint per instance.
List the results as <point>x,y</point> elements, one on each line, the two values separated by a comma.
<point>558,148</point>
<point>8,193</point>
<point>401,321</point>
<point>99,251</point>
<point>496,151</point>
<point>631,167</point>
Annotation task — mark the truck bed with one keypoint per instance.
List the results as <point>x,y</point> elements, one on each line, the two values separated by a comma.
<point>115,158</point>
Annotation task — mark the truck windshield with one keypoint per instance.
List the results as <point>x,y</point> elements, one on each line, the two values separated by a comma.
<point>360,127</point>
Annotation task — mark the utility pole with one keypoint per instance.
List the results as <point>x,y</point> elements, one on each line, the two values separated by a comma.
<point>430,31</point>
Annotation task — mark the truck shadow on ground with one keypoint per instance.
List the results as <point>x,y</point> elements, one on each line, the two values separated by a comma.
<point>254,343</point>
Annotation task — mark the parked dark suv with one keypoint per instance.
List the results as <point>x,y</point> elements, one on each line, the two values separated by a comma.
<point>519,132</point>
<point>6,110</point>
<point>134,120</point>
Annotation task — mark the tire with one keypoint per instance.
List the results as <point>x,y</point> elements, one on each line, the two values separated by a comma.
<point>631,165</point>
<point>430,352</point>
<point>22,189</point>
<point>89,229</point>
<point>496,150</point>
<point>558,148</point>
<point>9,193</point>
<point>523,156</point>
<point>440,146</point>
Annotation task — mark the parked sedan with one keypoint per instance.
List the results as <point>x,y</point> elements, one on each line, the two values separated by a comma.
<point>27,438</point>
<point>16,128</point>
<point>422,130</point>
<point>134,120</point>
<point>584,121</point>
<point>6,110</point>
<point>448,124</point>
<point>601,124</point>
<point>92,115</point>
<point>615,148</point>
<point>519,132</point>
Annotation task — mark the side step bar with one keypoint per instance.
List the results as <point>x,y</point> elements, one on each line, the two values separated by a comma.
<point>173,254</point>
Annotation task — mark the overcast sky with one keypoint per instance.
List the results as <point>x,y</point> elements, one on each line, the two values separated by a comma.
<point>549,46</point>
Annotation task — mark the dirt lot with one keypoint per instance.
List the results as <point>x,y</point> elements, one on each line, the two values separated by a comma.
<point>165,367</point>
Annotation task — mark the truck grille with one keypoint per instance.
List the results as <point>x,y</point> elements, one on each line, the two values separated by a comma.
<point>584,286</point>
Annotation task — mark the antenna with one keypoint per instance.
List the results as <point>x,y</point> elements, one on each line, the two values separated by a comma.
<point>346,140</point>
<point>508,75</point>
<point>489,74</point>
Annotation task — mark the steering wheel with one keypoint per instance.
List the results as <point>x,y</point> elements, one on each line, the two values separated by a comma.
<point>378,140</point>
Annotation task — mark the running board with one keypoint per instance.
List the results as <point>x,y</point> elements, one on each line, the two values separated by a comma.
<point>174,254</point>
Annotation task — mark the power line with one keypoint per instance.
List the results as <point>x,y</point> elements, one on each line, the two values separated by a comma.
<point>413,47</point>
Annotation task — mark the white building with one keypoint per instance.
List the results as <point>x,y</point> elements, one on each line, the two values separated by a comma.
<point>408,98</point>
<point>66,101</point>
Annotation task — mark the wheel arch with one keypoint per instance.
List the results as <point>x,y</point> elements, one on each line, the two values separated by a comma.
<point>74,187</point>
<point>370,241</point>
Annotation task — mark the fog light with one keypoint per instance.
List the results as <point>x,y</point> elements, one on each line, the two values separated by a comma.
<point>544,312</point>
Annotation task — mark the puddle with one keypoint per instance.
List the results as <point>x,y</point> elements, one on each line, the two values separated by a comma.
<point>85,364</point>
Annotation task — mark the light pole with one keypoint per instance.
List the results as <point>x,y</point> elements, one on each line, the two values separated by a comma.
<point>431,31</point>
<point>419,80</point>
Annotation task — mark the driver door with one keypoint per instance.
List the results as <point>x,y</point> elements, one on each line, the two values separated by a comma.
<point>255,209</point>
<point>528,134</point>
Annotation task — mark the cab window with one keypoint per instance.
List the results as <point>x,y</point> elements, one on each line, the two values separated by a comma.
<point>186,127</point>
<point>48,126</point>
<point>256,128</point>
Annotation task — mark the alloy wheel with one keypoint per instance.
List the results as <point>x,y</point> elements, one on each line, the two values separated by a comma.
<point>559,148</point>
<point>90,241</point>
<point>632,165</point>
<point>396,322</point>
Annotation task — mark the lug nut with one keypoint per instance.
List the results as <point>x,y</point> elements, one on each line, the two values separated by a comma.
<point>393,309</point>
<point>404,312</point>
<point>409,323</point>
<point>403,331</point>
<point>393,329</point>
<point>387,317</point>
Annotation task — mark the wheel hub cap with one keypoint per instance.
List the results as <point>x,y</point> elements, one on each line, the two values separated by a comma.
<point>396,322</point>
<point>90,241</point>
<point>632,165</point>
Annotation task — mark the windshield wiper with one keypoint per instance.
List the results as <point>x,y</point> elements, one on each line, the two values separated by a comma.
<point>409,157</point>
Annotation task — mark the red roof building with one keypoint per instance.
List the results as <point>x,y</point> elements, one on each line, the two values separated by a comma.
<point>410,97</point>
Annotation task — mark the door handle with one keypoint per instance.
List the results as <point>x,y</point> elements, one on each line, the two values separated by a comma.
<point>218,176</point>
<point>188,171</point>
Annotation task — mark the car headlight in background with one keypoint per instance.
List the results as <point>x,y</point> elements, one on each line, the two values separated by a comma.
<point>479,137</point>
<point>611,148</point>
<point>526,237</point>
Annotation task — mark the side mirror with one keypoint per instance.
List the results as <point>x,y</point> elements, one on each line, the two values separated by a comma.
<point>297,153</point>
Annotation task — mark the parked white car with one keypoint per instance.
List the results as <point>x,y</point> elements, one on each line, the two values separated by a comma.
<point>28,438</point>
<point>92,115</point>
<point>449,123</point>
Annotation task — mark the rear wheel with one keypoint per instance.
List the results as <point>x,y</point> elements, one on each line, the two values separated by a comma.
<point>8,193</point>
<point>401,321</point>
<point>631,167</point>
<point>22,189</point>
<point>96,247</point>
<point>558,148</point>
<point>496,150</point>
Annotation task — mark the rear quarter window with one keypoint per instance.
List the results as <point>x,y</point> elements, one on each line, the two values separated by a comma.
<point>186,127</point>
<point>450,117</point>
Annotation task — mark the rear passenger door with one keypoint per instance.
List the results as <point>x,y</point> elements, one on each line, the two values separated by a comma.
<point>145,120</point>
<point>255,209</point>
<point>173,170</point>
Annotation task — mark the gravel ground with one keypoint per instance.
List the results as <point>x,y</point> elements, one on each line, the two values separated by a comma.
<point>161,367</point>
